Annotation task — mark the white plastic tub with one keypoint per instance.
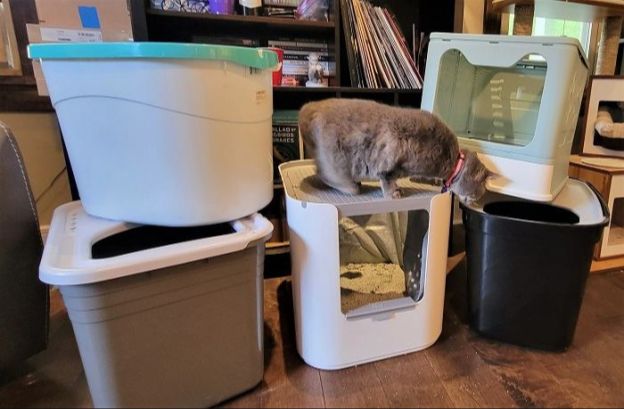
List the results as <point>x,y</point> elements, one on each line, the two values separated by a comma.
<point>163,317</point>
<point>163,133</point>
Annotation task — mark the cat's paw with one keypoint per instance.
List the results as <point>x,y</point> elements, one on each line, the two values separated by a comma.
<point>393,194</point>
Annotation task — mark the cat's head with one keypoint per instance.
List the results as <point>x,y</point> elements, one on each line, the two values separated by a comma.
<point>469,184</point>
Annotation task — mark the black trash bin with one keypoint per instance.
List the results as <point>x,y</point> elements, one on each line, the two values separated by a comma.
<point>528,263</point>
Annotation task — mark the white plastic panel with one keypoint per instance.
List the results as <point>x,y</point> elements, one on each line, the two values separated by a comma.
<point>327,338</point>
<point>67,256</point>
<point>492,104</point>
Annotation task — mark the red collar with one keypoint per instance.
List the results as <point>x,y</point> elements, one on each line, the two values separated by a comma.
<point>458,166</point>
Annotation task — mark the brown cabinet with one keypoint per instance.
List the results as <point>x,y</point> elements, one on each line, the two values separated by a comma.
<point>610,183</point>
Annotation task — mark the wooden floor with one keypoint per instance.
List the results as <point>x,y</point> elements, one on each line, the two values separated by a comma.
<point>460,370</point>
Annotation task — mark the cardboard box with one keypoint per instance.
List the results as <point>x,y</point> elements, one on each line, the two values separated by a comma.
<point>34,36</point>
<point>78,21</point>
<point>84,20</point>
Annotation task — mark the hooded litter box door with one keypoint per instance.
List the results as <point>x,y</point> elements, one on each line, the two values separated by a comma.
<point>528,263</point>
<point>164,133</point>
<point>502,96</point>
<point>163,317</point>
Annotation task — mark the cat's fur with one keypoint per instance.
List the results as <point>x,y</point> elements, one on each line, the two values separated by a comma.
<point>353,140</point>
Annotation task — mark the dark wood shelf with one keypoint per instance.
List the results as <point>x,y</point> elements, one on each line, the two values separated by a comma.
<point>247,20</point>
<point>353,90</point>
<point>295,97</point>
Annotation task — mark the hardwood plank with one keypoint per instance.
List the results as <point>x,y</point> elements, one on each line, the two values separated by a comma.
<point>579,377</point>
<point>291,383</point>
<point>467,379</point>
<point>409,381</point>
<point>54,376</point>
<point>288,381</point>
<point>526,379</point>
<point>355,387</point>
<point>583,369</point>
<point>608,264</point>
<point>461,369</point>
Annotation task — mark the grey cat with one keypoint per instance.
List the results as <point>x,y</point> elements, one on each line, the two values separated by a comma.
<point>353,140</point>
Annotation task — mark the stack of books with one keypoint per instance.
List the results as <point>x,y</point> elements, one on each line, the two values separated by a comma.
<point>280,8</point>
<point>296,53</point>
<point>377,51</point>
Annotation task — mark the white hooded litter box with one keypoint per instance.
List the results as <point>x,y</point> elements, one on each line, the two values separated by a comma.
<point>514,100</point>
<point>163,317</point>
<point>164,133</point>
<point>368,273</point>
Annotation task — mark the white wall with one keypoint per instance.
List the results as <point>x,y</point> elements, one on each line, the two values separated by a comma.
<point>39,140</point>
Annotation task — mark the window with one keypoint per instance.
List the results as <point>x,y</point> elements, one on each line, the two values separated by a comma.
<point>543,26</point>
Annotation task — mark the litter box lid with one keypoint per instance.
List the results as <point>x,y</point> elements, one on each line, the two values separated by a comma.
<point>517,39</point>
<point>252,57</point>
<point>67,256</point>
<point>576,196</point>
<point>302,184</point>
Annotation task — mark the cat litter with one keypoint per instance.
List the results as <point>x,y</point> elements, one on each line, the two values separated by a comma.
<point>367,283</point>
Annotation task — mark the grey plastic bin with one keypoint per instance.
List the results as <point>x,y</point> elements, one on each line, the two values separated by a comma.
<point>175,325</point>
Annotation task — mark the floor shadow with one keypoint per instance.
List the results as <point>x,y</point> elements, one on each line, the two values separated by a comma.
<point>286,313</point>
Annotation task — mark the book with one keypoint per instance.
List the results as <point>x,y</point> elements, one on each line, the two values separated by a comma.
<point>295,60</point>
<point>287,144</point>
<point>353,74</point>
<point>281,3</point>
<point>377,51</point>
<point>238,41</point>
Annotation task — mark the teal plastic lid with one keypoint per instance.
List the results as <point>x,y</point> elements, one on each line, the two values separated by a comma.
<point>251,57</point>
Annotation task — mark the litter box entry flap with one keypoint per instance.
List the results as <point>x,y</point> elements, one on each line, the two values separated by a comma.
<point>252,57</point>
<point>67,257</point>
<point>302,184</point>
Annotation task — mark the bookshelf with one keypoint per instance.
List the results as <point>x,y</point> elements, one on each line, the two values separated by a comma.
<point>157,25</point>
<point>241,21</point>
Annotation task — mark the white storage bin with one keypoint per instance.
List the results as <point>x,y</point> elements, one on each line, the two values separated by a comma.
<point>336,240</point>
<point>163,317</point>
<point>514,100</point>
<point>163,133</point>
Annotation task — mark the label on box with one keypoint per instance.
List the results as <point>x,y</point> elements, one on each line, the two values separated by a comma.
<point>287,144</point>
<point>89,17</point>
<point>49,34</point>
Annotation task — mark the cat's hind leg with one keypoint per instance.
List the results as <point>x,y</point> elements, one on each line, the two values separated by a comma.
<point>344,185</point>
<point>333,170</point>
<point>390,188</point>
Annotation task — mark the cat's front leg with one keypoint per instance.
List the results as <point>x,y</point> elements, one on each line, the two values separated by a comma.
<point>390,189</point>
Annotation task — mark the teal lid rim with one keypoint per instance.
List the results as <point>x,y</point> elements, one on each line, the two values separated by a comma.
<point>252,57</point>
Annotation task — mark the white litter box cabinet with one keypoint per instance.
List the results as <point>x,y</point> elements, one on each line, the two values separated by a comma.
<point>328,337</point>
<point>514,100</point>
